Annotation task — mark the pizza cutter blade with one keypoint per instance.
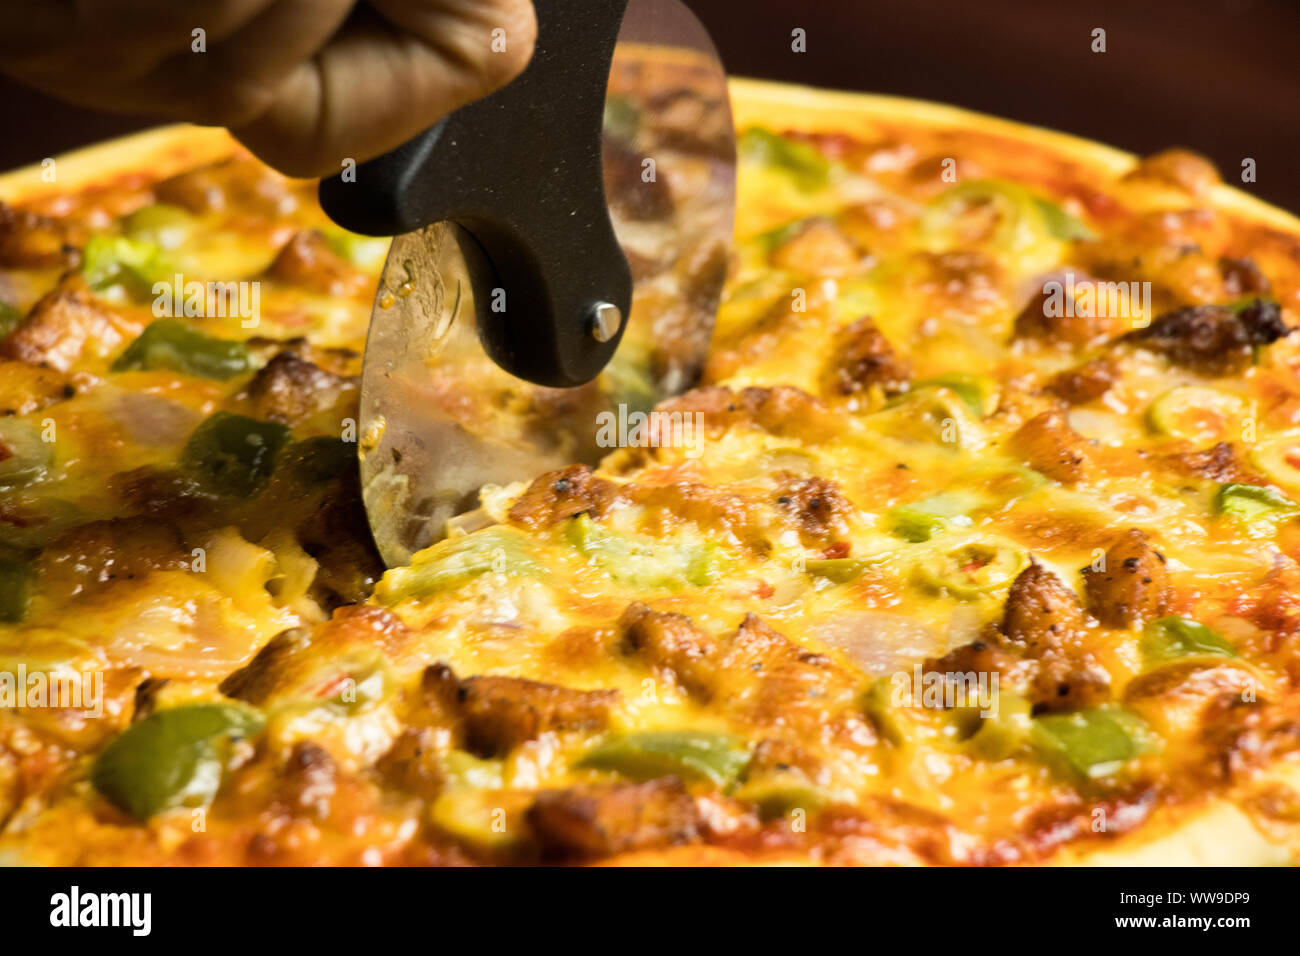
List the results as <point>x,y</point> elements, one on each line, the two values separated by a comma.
<point>561,251</point>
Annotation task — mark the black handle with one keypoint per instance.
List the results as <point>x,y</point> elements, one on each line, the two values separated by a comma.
<point>520,171</point>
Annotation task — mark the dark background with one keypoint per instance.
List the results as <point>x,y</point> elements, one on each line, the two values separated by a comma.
<point>1218,76</point>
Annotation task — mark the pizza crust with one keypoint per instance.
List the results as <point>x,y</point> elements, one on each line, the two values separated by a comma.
<point>161,152</point>
<point>809,109</point>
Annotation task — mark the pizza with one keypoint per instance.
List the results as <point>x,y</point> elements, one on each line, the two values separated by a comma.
<point>973,543</point>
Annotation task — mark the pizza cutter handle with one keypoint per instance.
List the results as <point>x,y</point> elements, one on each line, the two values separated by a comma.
<point>520,171</point>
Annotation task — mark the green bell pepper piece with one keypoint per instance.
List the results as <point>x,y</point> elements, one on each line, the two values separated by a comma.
<point>921,520</point>
<point>454,562</point>
<point>972,569</point>
<point>162,224</point>
<point>1090,743</point>
<point>775,238</point>
<point>317,460</point>
<point>645,562</point>
<point>466,770</point>
<point>936,413</point>
<point>1196,412</point>
<point>369,685</point>
<point>1249,301</point>
<point>718,758</point>
<point>365,252</point>
<point>171,344</point>
<point>234,455</point>
<point>1169,638</point>
<point>879,706</point>
<point>171,758</point>
<point>1060,224</point>
<point>978,391</point>
<point>1258,509</point>
<point>839,570</point>
<point>16,577</point>
<point>1002,734</point>
<point>808,167</point>
<point>776,795</point>
<point>9,318</point>
<point>1024,215</point>
<point>622,119</point>
<point>135,264</point>
<point>25,456</point>
<point>474,817</point>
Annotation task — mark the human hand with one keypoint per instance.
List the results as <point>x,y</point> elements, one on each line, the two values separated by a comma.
<point>304,84</point>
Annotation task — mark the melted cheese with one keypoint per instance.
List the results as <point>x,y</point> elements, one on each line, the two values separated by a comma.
<point>943,286</point>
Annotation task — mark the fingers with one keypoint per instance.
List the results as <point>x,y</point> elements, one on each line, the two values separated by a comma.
<point>304,83</point>
<point>483,43</point>
<point>140,55</point>
<point>386,78</point>
<point>238,78</point>
<point>118,37</point>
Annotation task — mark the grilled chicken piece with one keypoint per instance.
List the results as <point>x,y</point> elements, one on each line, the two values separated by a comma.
<point>1086,382</point>
<point>671,642</point>
<point>412,763</point>
<point>1217,463</point>
<point>61,325</point>
<point>310,781</point>
<point>1180,168</point>
<point>1242,277</point>
<point>780,410</point>
<point>716,511</point>
<point>862,358</point>
<point>242,184</point>
<point>817,507</point>
<point>1048,318</point>
<point>757,674</point>
<point>1133,587</point>
<point>818,247</point>
<point>26,388</point>
<point>1045,622</point>
<point>615,818</point>
<point>500,713</point>
<point>307,262</point>
<point>92,557</point>
<point>1175,698</point>
<point>493,714</point>
<point>559,495</point>
<point>1049,444</point>
<point>1040,611</point>
<point>289,389</point>
<point>32,241</point>
<point>257,680</point>
<point>1241,735</point>
<point>769,681</point>
<point>1213,339</point>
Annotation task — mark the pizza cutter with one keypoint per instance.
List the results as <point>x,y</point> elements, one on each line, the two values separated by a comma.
<point>560,252</point>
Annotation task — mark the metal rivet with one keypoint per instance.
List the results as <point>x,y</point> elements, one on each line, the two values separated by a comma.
<point>606,320</point>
